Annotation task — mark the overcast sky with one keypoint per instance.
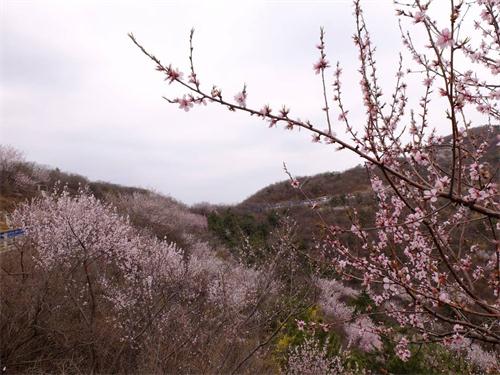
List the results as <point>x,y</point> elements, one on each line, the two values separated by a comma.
<point>76,94</point>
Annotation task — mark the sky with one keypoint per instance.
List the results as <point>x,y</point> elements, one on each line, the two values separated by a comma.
<point>76,94</point>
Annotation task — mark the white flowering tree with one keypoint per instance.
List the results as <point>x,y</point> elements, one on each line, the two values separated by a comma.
<point>83,268</point>
<point>431,258</point>
<point>84,289</point>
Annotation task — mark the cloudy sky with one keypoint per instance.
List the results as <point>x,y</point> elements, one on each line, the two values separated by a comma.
<point>76,94</point>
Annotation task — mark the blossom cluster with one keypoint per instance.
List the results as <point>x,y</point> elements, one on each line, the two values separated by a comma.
<point>108,284</point>
<point>312,358</point>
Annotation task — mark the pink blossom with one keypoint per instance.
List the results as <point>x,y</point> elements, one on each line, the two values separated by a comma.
<point>402,350</point>
<point>185,103</point>
<point>321,65</point>
<point>478,273</point>
<point>241,98</point>
<point>495,94</point>
<point>332,292</point>
<point>484,108</point>
<point>428,82</point>
<point>377,184</point>
<point>431,195</point>
<point>421,158</point>
<point>272,122</point>
<point>173,75</point>
<point>363,333</point>
<point>343,115</point>
<point>312,358</point>
<point>485,360</point>
<point>486,16</point>
<point>216,92</point>
<point>444,39</point>
<point>300,324</point>
<point>476,194</point>
<point>284,111</point>
<point>474,171</point>
<point>419,17</point>
<point>193,79</point>
<point>441,183</point>
<point>265,111</point>
<point>444,297</point>
<point>457,328</point>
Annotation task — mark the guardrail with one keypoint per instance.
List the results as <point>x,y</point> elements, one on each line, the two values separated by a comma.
<point>313,202</point>
<point>318,201</point>
<point>7,234</point>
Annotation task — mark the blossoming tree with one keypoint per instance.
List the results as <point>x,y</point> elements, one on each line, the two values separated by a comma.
<point>431,259</point>
<point>84,288</point>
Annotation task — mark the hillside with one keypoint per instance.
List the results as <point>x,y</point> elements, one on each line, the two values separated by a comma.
<point>355,180</point>
<point>163,216</point>
<point>331,193</point>
<point>149,276</point>
<point>325,184</point>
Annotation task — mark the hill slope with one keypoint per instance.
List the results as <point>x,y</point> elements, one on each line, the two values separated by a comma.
<point>354,180</point>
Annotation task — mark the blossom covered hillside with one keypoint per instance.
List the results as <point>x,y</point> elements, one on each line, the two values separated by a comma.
<point>109,279</point>
<point>96,285</point>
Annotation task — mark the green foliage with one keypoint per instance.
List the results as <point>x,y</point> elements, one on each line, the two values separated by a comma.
<point>362,303</point>
<point>232,227</point>
<point>425,359</point>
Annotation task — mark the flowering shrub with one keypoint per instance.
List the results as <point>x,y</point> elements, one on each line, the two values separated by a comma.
<point>9,157</point>
<point>16,173</point>
<point>92,264</point>
<point>235,286</point>
<point>484,360</point>
<point>431,258</point>
<point>360,330</point>
<point>162,216</point>
<point>331,293</point>
<point>364,334</point>
<point>311,358</point>
<point>86,289</point>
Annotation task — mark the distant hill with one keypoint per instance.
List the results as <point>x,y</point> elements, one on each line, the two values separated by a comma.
<point>331,193</point>
<point>324,184</point>
<point>352,181</point>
